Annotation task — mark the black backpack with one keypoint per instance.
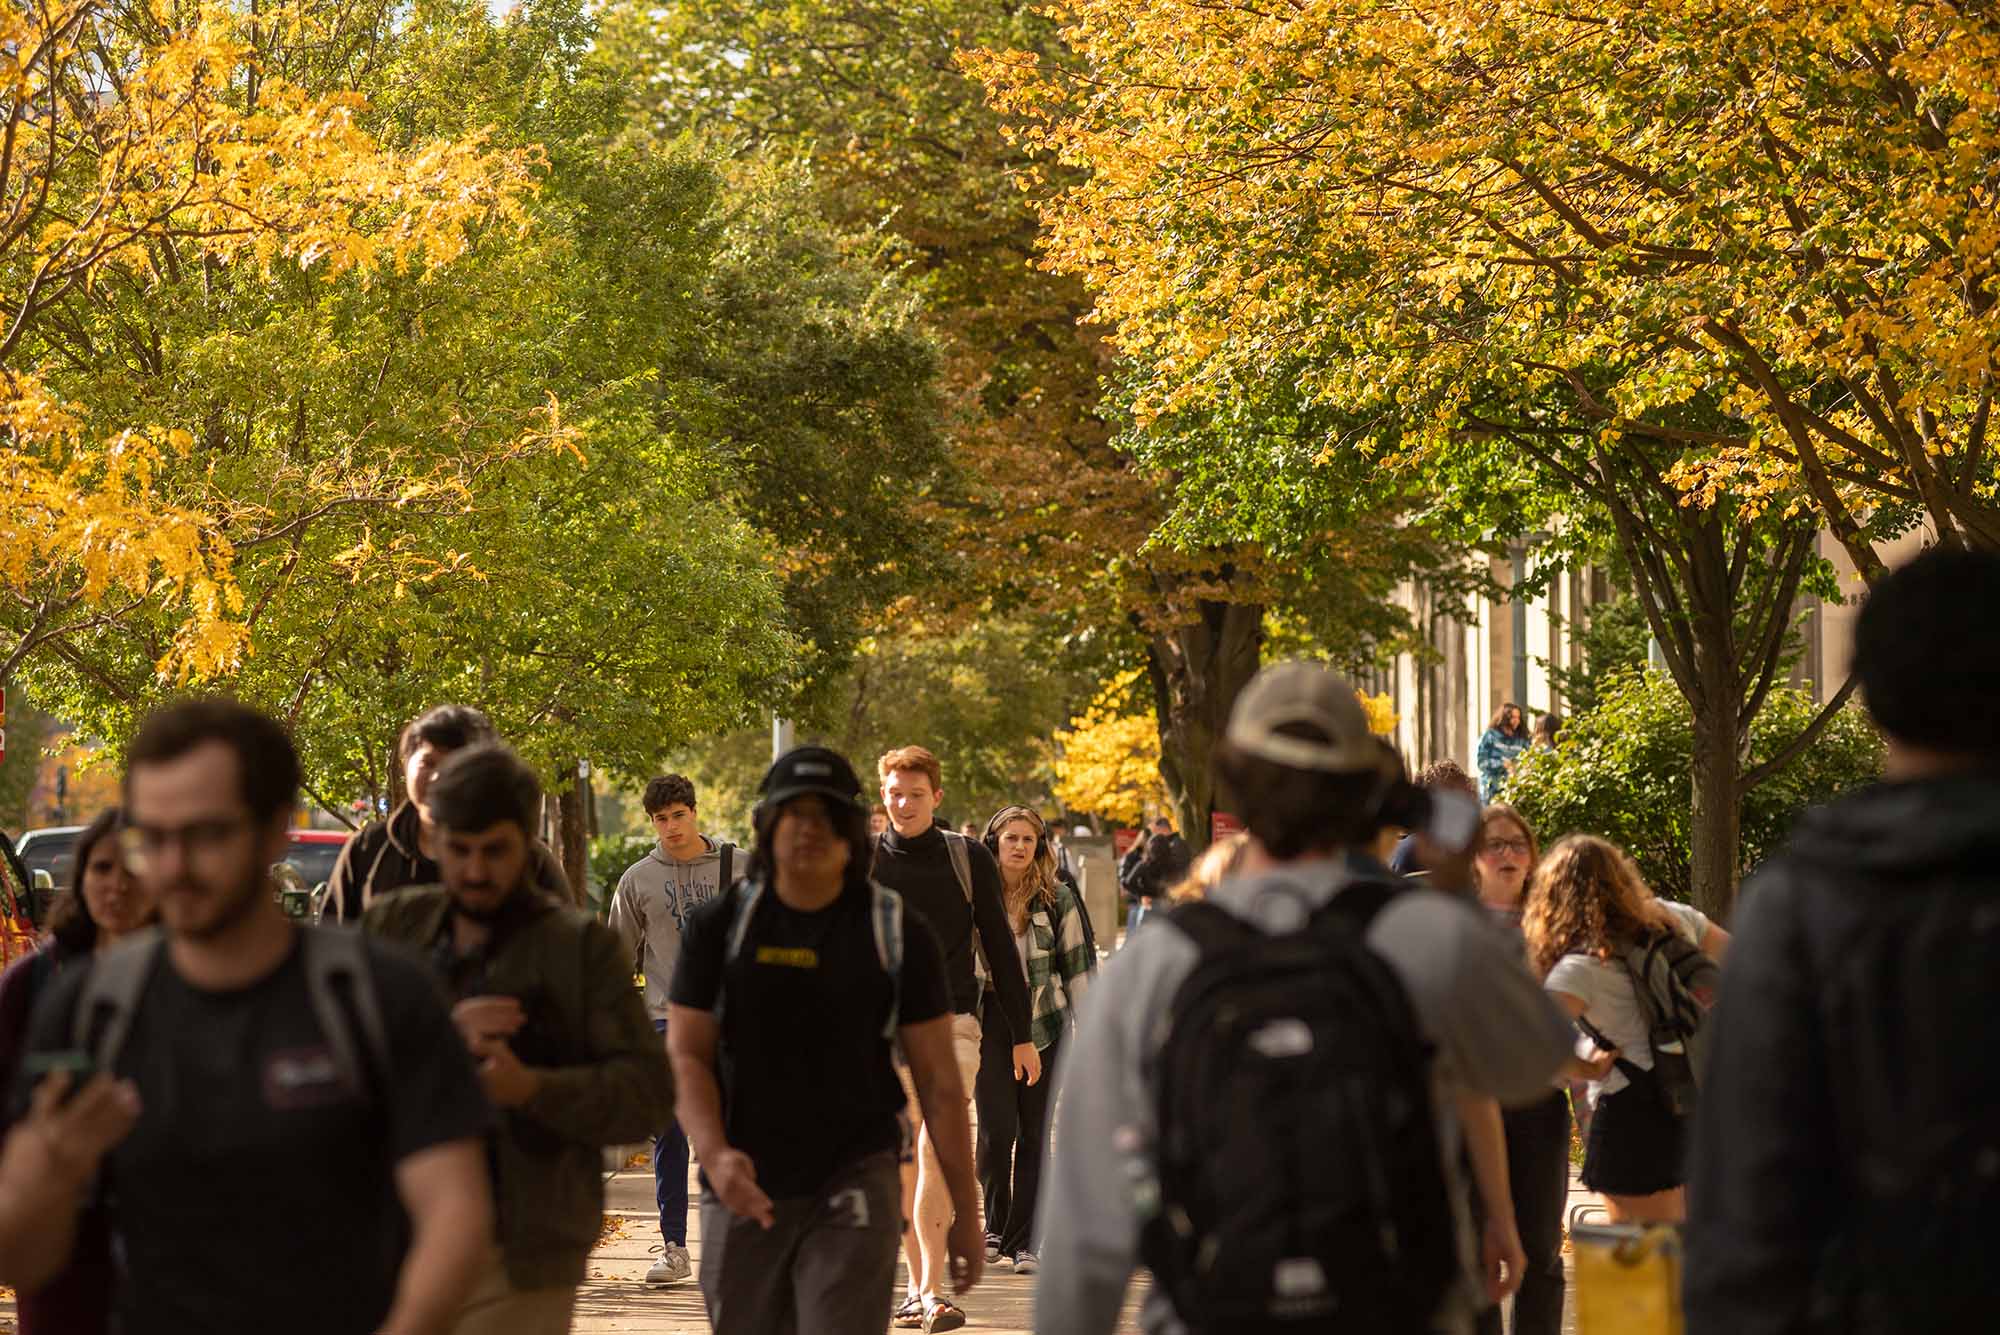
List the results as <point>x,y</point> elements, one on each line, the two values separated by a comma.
<point>1675,984</point>
<point>1300,1180</point>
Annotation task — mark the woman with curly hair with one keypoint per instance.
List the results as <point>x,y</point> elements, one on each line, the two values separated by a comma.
<point>1054,948</point>
<point>1587,906</point>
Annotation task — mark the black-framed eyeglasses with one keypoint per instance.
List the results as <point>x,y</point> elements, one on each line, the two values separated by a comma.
<point>141,842</point>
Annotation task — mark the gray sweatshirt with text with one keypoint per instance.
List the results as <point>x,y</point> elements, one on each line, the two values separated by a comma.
<point>652,901</point>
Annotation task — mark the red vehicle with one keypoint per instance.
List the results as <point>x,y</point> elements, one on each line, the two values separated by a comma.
<point>312,855</point>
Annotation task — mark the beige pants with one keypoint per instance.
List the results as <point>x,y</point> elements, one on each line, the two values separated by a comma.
<point>926,1195</point>
<point>496,1307</point>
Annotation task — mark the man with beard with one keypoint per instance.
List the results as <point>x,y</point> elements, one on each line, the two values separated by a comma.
<point>545,1003</point>
<point>308,1153</point>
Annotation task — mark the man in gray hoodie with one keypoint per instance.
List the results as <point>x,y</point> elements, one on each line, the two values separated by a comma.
<point>1301,765</point>
<point>654,897</point>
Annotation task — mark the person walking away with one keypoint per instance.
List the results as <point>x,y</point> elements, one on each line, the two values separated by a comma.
<point>1161,866</point>
<point>1537,1133</point>
<point>1056,953</point>
<point>543,1001</point>
<point>1500,748</point>
<point>953,884</point>
<point>1313,960</point>
<point>1843,1169</point>
<point>791,990</point>
<point>311,1140</point>
<point>386,855</point>
<point>102,905</point>
<point>1587,914</point>
<point>649,909</point>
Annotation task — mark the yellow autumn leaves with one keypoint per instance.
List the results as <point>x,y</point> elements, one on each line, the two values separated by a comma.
<point>133,148</point>
<point>1625,215</point>
<point>1108,761</point>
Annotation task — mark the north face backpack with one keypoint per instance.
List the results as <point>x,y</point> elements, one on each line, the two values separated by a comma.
<point>1300,1181</point>
<point>1675,983</point>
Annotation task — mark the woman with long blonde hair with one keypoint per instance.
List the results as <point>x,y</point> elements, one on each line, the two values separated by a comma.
<point>1586,907</point>
<point>1055,951</point>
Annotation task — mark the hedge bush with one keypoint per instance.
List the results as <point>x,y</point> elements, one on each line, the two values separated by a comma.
<point>1623,770</point>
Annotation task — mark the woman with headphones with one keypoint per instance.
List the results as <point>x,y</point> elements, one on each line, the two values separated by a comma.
<point>1055,950</point>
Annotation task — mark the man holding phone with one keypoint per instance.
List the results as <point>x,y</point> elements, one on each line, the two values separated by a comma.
<point>228,1065</point>
<point>546,1006</point>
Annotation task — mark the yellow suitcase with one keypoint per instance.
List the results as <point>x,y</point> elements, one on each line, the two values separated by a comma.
<point>1628,1279</point>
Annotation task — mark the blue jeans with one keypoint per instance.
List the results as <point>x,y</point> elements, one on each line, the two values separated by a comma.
<point>670,1175</point>
<point>1133,917</point>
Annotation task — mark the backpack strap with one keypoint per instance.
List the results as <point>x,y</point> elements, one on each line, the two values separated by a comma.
<point>1357,904</point>
<point>111,991</point>
<point>742,908</point>
<point>961,861</point>
<point>341,987</point>
<point>885,916</point>
<point>727,851</point>
<point>1211,927</point>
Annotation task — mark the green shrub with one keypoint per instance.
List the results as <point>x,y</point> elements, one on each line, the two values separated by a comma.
<point>1622,770</point>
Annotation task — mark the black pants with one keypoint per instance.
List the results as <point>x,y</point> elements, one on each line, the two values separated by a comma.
<point>1538,1170</point>
<point>1013,1133</point>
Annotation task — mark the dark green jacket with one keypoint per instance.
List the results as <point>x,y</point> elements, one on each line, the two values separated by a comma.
<point>605,1079</point>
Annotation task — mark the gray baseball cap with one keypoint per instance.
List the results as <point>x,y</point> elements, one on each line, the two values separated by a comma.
<point>1314,695</point>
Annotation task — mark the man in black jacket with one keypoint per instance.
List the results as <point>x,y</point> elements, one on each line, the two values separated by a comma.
<point>1846,1161</point>
<point>954,883</point>
<point>386,855</point>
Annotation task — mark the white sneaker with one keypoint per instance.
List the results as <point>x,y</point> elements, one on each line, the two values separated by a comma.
<point>1025,1263</point>
<point>672,1267</point>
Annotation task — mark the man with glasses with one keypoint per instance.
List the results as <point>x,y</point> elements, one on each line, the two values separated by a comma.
<point>356,1128</point>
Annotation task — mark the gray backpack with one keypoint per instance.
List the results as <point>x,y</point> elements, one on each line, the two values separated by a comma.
<point>338,981</point>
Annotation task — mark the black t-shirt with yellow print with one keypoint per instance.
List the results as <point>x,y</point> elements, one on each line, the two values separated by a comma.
<point>808,1079</point>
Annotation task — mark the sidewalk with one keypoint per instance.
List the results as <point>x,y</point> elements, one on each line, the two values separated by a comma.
<point>613,1297</point>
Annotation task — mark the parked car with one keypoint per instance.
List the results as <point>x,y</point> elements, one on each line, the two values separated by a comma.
<point>50,849</point>
<point>312,855</point>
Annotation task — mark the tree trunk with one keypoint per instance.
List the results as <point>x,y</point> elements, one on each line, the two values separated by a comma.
<point>574,844</point>
<point>1715,830</point>
<point>1197,669</point>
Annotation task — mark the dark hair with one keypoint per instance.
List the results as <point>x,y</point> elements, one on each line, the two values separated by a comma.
<point>1927,652</point>
<point>1500,719</point>
<point>1448,775</point>
<point>1293,812</point>
<point>267,766</point>
<point>448,728</point>
<point>482,786</point>
<point>1547,726</point>
<point>663,790</point>
<point>850,822</point>
<point>70,923</point>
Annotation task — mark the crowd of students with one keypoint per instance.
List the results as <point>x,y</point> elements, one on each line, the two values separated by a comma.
<point>1325,1083</point>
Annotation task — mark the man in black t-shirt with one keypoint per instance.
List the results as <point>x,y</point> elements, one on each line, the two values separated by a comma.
<point>790,990</point>
<point>284,1173</point>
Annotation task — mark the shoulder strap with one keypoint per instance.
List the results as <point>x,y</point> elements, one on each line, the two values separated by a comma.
<point>111,993</point>
<point>961,861</point>
<point>1210,927</point>
<point>885,916</point>
<point>1356,905</point>
<point>342,990</point>
<point>741,911</point>
<point>728,853</point>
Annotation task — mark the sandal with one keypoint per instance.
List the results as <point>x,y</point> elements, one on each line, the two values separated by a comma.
<point>910,1316</point>
<point>942,1314</point>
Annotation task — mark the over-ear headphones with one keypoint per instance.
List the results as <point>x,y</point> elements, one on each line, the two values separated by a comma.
<point>1007,815</point>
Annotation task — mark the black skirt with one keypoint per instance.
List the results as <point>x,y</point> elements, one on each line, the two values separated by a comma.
<point>1636,1147</point>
